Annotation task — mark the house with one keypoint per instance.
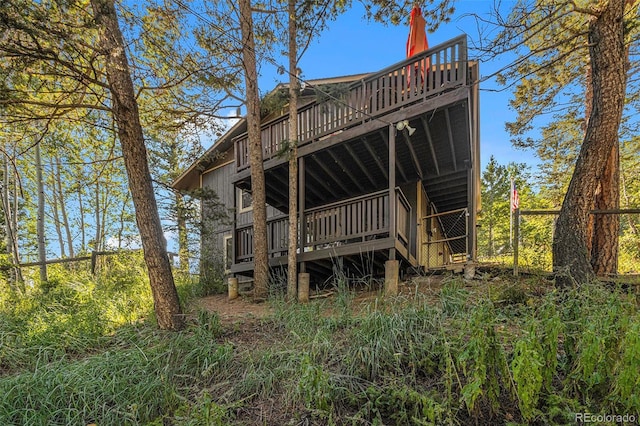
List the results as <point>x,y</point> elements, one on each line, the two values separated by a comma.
<point>389,169</point>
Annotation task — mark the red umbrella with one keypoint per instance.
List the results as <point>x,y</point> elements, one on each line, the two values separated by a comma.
<point>416,43</point>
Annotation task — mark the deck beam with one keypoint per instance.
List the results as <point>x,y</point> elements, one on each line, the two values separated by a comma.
<point>447,119</point>
<point>375,157</point>
<point>427,132</point>
<point>357,160</point>
<point>346,170</point>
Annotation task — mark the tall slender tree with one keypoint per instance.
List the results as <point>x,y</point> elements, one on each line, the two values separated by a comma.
<point>260,255</point>
<point>495,208</point>
<point>42,245</point>
<point>294,87</point>
<point>10,223</point>
<point>126,115</point>
<point>69,57</point>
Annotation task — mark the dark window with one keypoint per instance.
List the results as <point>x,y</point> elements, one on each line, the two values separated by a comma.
<point>245,200</point>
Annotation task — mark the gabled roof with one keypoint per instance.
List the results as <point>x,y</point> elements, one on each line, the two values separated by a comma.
<point>190,178</point>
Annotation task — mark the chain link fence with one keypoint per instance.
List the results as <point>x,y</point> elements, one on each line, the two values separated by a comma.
<point>445,238</point>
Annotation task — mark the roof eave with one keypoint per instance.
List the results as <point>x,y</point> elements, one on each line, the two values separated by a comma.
<point>190,178</point>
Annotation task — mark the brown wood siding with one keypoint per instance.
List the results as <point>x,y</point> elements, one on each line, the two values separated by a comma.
<point>219,179</point>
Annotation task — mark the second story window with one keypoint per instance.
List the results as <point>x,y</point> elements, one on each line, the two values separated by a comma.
<point>245,201</point>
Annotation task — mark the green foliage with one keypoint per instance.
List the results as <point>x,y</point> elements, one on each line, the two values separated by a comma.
<point>204,411</point>
<point>527,366</point>
<point>73,311</point>
<point>601,331</point>
<point>491,351</point>
<point>402,342</point>
<point>332,93</point>
<point>494,235</point>
<point>135,380</point>
<point>454,297</point>
<point>483,361</point>
<point>399,404</point>
<point>629,253</point>
<point>314,385</point>
<point>626,385</point>
<point>274,102</point>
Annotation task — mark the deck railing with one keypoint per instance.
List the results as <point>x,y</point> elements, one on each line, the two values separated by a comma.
<point>415,79</point>
<point>350,221</point>
<point>277,240</point>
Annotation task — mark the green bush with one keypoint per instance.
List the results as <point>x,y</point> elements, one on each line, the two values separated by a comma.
<point>80,351</point>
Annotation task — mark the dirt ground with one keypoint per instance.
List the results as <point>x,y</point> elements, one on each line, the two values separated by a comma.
<point>242,326</point>
<point>243,309</point>
<point>231,311</point>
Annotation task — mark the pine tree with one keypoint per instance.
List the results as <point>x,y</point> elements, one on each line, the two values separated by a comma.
<point>559,42</point>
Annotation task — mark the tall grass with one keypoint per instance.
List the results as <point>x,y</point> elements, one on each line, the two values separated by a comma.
<point>483,351</point>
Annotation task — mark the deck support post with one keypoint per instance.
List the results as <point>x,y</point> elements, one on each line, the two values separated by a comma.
<point>392,266</point>
<point>302,195</point>
<point>392,185</point>
<point>303,287</point>
<point>391,277</point>
<point>234,234</point>
<point>233,287</point>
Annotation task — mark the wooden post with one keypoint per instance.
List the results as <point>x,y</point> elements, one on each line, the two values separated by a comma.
<point>94,261</point>
<point>303,287</point>
<point>516,240</point>
<point>469,270</point>
<point>233,288</point>
<point>393,233</point>
<point>234,222</point>
<point>302,233</point>
<point>391,277</point>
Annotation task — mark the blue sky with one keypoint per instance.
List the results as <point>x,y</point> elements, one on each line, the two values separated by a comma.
<point>353,45</point>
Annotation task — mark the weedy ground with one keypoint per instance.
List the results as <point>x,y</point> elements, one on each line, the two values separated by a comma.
<point>492,350</point>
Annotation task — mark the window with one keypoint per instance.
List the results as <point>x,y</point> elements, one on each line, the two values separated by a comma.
<point>245,201</point>
<point>228,253</point>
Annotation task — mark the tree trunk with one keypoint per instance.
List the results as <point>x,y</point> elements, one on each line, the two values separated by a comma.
<point>292,258</point>
<point>83,235</point>
<point>183,236</point>
<point>63,209</point>
<point>490,248</point>
<point>571,258</point>
<point>42,249</point>
<point>15,279</point>
<point>602,230</point>
<point>261,265</point>
<point>125,112</point>
<point>606,227</point>
<point>123,213</point>
<point>55,208</point>
<point>96,197</point>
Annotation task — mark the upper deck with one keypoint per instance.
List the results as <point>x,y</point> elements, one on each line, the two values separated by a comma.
<point>415,80</point>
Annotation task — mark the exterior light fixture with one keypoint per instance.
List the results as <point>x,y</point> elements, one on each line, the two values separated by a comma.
<point>404,124</point>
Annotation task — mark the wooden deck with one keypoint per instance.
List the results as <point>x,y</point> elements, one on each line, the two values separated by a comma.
<point>414,80</point>
<point>338,228</point>
<point>352,154</point>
